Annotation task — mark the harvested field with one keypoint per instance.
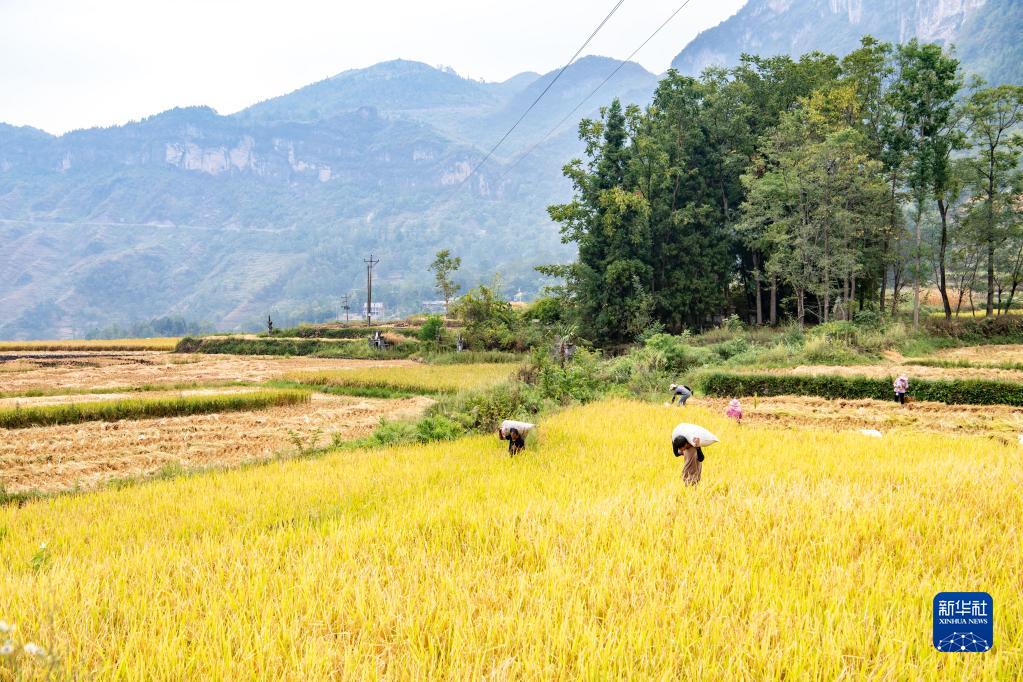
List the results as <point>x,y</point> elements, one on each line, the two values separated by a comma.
<point>1000,422</point>
<point>56,458</point>
<point>983,354</point>
<point>101,370</point>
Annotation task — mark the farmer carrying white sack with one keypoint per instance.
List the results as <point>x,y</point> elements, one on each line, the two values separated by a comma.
<point>515,433</point>
<point>688,440</point>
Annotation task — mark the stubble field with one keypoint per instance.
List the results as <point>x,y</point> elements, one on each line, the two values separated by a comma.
<point>49,371</point>
<point>84,456</point>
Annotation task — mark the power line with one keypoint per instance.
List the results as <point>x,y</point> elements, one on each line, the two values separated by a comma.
<point>346,306</point>
<point>585,99</point>
<point>544,92</point>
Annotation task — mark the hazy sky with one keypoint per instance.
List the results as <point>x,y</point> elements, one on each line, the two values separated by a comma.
<point>68,64</point>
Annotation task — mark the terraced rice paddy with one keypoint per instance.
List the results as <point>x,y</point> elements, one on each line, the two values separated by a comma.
<point>65,456</point>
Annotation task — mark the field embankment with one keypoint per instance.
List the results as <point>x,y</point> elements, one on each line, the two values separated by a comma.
<point>584,558</point>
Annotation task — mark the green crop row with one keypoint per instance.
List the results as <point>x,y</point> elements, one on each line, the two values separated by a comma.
<point>951,391</point>
<point>146,408</point>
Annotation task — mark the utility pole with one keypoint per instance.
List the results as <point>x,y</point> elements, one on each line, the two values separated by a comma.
<point>346,307</point>
<point>369,288</point>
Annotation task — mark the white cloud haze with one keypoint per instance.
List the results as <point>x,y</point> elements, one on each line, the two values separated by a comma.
<point>68,64</point>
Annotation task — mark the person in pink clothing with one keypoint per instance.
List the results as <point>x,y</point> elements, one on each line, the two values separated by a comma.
<point>901,386</point>
<point>734,410</point>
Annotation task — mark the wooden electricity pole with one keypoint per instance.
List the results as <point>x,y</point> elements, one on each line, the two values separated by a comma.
<point>346,307</point>
<point>369,288</point>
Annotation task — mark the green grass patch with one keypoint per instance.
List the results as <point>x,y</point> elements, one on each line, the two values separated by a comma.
<point>950,391</point>
<point>381,392</point>
<point>146,408</point>
<point>143,388</point>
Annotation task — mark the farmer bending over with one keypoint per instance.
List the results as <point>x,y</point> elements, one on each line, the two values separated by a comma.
<point>516,443</point>
<point>515,433</point>
<point>682,392</point>
<point>693,467</point>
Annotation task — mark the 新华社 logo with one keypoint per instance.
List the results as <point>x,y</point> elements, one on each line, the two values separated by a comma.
<point>963,622</point>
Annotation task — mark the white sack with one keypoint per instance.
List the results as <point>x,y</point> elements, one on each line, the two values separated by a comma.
<point>509,424</point>
<point>691,432</point>
<point>873,433</point>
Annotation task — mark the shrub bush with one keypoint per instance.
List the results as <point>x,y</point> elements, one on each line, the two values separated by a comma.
<point>431,329</point>
<point>674,354</point>
<point>353,349</point>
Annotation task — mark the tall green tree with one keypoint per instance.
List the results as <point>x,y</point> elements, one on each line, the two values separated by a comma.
<point>609,222</point>
<point>443,267</point>
<point>766,87</point>
<point>925,94</point>
<point>992,115</point>
<point>871,71</point>
<point>815,198</point>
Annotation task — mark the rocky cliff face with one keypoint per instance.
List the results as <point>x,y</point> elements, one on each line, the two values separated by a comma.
<point>984,32</point>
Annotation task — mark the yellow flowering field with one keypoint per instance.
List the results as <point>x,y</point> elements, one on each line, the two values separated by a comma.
<point>801,555</point>
<point>412,378</point>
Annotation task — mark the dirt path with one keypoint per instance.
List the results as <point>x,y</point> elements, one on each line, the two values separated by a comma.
<point>102,370</point>
<point>56,458</point>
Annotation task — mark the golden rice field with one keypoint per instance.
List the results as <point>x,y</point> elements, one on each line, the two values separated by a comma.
<point>976,312</point>
<point>412,378</point>
<point>161,343</point>
<point>802,555</point>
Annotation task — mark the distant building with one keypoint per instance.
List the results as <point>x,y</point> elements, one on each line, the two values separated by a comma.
<point>378,309</point>
<point>433,306</point>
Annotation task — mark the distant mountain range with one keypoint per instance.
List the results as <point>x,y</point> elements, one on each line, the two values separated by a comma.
<point>225,219</point>
<point>272,210</point>
<point>986,33</point>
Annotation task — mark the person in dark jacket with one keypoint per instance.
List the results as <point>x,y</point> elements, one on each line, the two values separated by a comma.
<point>693,467</point>
<point>516,443</point>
